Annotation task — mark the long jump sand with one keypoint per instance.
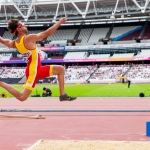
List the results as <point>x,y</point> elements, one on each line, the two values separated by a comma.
<point>90,145</point>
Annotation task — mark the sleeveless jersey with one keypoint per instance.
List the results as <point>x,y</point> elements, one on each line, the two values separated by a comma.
<point>33,54</point>
<point>34,70</point>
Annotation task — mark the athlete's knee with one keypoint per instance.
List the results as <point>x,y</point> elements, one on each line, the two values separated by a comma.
<point>22,98</point>
<point>58,69</point>
<point>62,69</point>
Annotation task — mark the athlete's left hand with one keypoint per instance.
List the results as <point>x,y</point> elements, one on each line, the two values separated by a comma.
<point>63,20</point>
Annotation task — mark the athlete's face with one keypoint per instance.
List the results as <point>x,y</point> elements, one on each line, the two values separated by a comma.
<point>22,28</point>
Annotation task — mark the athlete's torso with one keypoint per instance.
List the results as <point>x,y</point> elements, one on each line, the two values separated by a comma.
<point>33,54</point>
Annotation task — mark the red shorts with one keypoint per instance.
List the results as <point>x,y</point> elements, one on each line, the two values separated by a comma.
<point>33,74</point>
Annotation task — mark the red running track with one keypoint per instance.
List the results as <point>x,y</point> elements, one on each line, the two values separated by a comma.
<point>20,133</point>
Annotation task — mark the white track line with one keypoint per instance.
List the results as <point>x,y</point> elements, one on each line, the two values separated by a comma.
<point>30,148</point>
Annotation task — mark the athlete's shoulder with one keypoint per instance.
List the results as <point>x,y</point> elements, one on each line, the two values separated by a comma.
<point>31,36</point>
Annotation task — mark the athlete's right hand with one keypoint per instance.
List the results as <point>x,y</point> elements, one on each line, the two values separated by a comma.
<point>63,20</point>
<point>0,39</point>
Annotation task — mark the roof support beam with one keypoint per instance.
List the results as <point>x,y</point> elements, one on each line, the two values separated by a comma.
<point>5,12</point>
<point>35,12</point>
<point>0,5</point>
<point>114,11</point>
<point>29,9</point>
<point>86,10</point>
<point>56,11</point>
<point>95,8</point>
<point>75,12</point>
<point>76,7</point>
<point>142,8</point>
<point>146,4</point>
<point>17,9</point>
<point>136,3</point>
<point>126,5</point>
<point>64,10</point>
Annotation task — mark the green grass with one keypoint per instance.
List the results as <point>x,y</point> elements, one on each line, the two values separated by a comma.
<point>93,90</point>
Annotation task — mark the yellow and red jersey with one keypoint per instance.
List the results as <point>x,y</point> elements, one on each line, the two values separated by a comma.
<point>34,70</point>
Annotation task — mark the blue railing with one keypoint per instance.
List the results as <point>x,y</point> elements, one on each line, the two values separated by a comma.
<point>127,33</point>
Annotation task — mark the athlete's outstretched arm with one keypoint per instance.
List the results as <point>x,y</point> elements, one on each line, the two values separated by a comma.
<point>7,42</point>
<point>48,32</point>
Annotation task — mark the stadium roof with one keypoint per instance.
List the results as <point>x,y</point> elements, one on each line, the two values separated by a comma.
<point>39,12</point>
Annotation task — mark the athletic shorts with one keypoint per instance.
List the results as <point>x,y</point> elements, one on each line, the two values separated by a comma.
<point>33,75</point>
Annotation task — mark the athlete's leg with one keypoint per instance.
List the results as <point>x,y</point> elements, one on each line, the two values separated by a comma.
<point>60,72</point>
<point>27,88</point>
<point>22,96</point>
<point>45,71</point>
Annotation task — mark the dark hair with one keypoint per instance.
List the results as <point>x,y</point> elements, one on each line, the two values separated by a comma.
<point>44,88</point>
<point>12,25</point>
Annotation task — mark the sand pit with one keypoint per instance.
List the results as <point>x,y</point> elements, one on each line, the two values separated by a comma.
<point>90,145</point>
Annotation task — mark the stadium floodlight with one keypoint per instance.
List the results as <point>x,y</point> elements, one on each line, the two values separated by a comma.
<point>53,21</point>
<point>83,16</point>
<point>142,10</point>
<point>25,19</point>
<point>118,11</point>
<point>122,16</point>
<point>112,17</point>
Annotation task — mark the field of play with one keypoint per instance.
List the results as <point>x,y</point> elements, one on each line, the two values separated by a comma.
<point>92,90</point>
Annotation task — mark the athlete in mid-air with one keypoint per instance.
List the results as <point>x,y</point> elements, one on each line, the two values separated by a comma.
<point>34,71</point>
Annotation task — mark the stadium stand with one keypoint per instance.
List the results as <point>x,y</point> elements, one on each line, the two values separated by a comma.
<point>140,73</point>
<point>131,36</point>
<point>5,56</point>
<point>85,34</point>
<point>75,55</point>
<point>13,72</point>
<point>105,74</point>
<point>57,57</point>
<point>120,32</point>
<point>16,58</point>
<point>89,35</point>
<point>78,74</point>
<point>125,55</point>
<point>97,34</point>
<point>98,56</point>
<point>147,32</point>
<point>81,72</point>
<point>62,34</point>
<point>7,35</point>
<point>58,42</point>
<point>143,53</point>
<point>34,31</point>
<point>108,73</point>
